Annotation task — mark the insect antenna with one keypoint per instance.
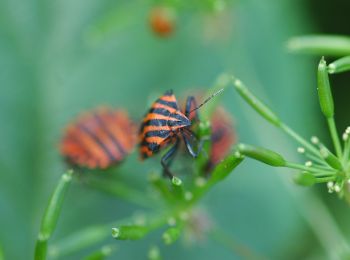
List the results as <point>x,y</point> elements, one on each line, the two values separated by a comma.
<point>205,101</point>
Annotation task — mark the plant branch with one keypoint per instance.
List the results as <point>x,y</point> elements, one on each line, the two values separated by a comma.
<point>51,215</point>
<point>335,137</point>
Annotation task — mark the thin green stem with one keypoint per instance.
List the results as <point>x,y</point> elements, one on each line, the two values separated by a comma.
<point>325,179</point>
<point>323,174</point>
<point>323,168</point>
<point>334,135</point>
<point>346,152</point>
<point>308,169</point>
<point>334,45</point>
<point>220,236</point>
<point>300,140</point>
<point>50,218</point>
<point>83,239</point>
<point>316,159</point>
<point>101,253</point>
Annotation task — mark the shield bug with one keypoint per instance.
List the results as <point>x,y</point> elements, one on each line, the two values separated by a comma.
<point>165,124</point>
<point>162,21</point>
<point>98,139</point>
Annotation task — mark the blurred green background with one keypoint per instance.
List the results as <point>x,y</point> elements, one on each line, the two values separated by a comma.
<point>61,57</point>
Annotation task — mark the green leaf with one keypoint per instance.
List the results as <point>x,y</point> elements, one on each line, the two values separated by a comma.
<point>333,45</point>
<point>224,168</point>
<point>221,171</point>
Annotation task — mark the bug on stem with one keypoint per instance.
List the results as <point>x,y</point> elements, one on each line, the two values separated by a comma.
<point>98,139</point>
<point>165,124</point>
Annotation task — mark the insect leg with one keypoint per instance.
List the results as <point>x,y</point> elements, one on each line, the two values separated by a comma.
<point>190,104</point>
<point>167,159</point>
<point>189,145</point>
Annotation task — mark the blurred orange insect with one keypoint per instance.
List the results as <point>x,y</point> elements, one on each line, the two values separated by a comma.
<point>99,138</point>
<point>162,21</point>
<point>223,136</point>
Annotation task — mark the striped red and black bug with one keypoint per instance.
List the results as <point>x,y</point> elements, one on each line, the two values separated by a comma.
<point>165,124</point>
<point>98,139</point>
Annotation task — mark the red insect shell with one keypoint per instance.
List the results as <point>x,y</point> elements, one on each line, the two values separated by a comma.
<point>98,138</point>
<point>162,21</point>
<point>223,135</point>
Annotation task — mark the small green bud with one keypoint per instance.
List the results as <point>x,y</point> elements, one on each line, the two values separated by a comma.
<point>171,235</point>
<point>305,179</point>
<point>324,90</point>
<point>330,158</point>
<point>258,105</point>
<point>176,181</point>
<point>261,154</point>
<point>129,232</point>
<point>340,65</point>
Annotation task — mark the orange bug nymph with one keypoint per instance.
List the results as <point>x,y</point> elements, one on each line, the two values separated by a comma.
<point>165,124</point>
<point>98,139</point>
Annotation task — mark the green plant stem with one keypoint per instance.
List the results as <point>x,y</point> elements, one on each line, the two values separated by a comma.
<point>300,140</point>
<point>340,65</point>
<point>325,179</point>
<point>335,137</point>
<point>323,168</point>
<point>220,172</point>
<point>238,248</point>
<point>323,174</point>
<point>51,215</point>
<point>310,206</point>
<point>346,152</point>
<point>82,239</point>
<point>308,169</point>
<point>318,160</point>
<point>335,45</point>
<point>101,253</point>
